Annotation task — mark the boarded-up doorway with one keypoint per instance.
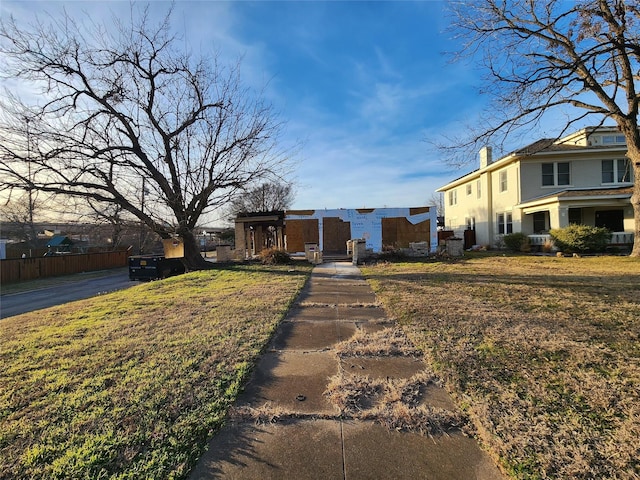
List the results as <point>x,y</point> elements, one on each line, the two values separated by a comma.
<point>335,233</point>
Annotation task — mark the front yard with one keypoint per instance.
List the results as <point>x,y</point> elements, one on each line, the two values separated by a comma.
<point>131,384</point>
<point>542,353</point>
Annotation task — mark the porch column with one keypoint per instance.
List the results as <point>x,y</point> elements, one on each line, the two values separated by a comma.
<point>258,239</point>
<point>241,240</point>
<point>558,217</point>
<point>280,238</point>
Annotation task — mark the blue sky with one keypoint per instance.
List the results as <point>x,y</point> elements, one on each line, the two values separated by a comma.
<point>361,85</point>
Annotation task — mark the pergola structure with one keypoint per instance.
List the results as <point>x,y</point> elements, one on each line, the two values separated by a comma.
<point>258,231</point>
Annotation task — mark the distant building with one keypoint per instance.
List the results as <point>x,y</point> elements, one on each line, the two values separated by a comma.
<point>59,244</point>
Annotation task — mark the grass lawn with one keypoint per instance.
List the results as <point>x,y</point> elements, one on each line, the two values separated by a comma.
<point>541,353</point>
<point>132,384</point>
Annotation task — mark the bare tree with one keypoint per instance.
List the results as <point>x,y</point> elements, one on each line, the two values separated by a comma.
<point>268,197</point>
<point>124,116</point>
<point>113,216</point>
<point>437,200</point>
<point>581,56</point>
<point>17,218</point>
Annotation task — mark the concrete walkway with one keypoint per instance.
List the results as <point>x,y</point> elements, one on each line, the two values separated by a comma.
<point>286,427</point>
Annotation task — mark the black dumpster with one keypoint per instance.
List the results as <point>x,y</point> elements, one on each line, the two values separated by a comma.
<point>153,267</point>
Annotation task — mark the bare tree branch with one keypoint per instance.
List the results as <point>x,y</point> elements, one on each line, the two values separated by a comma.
<point>121,104</point>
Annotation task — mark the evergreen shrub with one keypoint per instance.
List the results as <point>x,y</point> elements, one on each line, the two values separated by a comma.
<point>581,238</point>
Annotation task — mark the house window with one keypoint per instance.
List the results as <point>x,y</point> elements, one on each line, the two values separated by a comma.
<point>453,197</point>
<point>575,216</point>
<point>555,174</point>
<point>616,171</point>
<point>611,219</point>
<point>469,189</point>
<point>563,173</point>
<point>539,222</point>
<point>503,181</point>
<point>612,139</point>
<point>471,223</point>
<point>505,223</point>
<point>478,189</point>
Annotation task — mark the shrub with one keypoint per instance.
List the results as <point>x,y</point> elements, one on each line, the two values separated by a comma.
<point>274,256</point>
<point>395,255</point>
<point>580,238</point>
<point>517,242</point>
<point>548,246</point>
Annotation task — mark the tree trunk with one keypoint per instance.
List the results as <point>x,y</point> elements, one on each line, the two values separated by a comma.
<point>632,136</point>
<point>635,203</point>
<point>193,260</point>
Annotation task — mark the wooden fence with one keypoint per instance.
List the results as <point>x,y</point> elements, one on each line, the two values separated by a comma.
<point>17,270</point>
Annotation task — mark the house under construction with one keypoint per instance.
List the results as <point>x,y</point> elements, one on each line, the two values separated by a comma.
<point>330,230</point>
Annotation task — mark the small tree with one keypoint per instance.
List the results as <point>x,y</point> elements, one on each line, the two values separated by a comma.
<point>517,242</point>
<point>124,116</point>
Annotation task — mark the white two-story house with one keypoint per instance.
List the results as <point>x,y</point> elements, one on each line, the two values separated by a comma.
<point>583,178</point>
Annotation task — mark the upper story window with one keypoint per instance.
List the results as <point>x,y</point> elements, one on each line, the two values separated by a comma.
<point>616,171</point>
<point>613,139</point>
<point>556,173</point>
<point>478,189</point>
<point>453,197</point>
<point>469,189</point>
<point>503,181</point>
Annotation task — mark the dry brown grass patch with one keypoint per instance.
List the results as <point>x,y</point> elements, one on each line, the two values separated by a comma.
<point>543,353</point>
<point>387,342</point>
<point>394,403</point>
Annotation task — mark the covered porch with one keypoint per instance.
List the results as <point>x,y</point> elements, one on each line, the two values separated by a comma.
<point>609,208</point>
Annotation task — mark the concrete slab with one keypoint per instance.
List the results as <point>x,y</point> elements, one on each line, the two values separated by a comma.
<point>301,335</point>
<point>314,313</point>
<point>361,314</point>
<point>349,295</point>
<point>337,287</point>
<point>292,381</point>
<point>373,452</point>
<point>435,396</point>
<point>383,367</point>
<point>338,279</point>
<point>325,312</point>
<point>337,270</point>
<point>309,449</point>
<point>373,326</point>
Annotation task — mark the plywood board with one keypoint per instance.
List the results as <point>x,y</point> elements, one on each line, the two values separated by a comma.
<point>173,247</point>
<point>335,234</point>
<point>399,232</point>
<point>418,210</point>
<point>300,232</point>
